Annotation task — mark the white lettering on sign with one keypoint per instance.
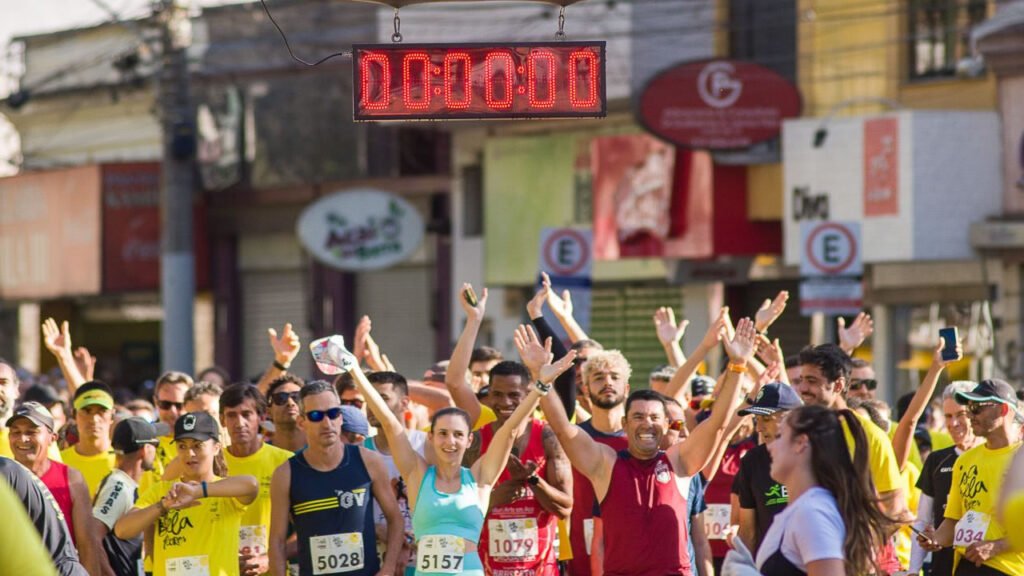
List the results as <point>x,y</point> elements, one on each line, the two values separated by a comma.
<point>830,249</point>
<point>717,86</point>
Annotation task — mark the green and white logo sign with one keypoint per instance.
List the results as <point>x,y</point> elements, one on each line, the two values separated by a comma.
<point>361,229</point>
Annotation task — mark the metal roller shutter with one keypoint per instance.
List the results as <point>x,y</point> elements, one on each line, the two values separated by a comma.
<point>269,300</point>
<point>398,300</point>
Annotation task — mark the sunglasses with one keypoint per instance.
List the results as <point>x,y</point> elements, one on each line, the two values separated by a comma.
<point>167,405</point>
<point>354,402</point>
<point>282,398</point>
<point>318,415</point>
<point>676,425</point>
<point>858,384</point>
<point>977,407</point>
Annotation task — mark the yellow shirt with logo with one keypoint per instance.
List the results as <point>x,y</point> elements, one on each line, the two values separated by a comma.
<point>93,468</point>
<point>53,453</point>
<point>256,520</point>
<point>202,538</point>
<point>977,482</point>
<point>881,458</point>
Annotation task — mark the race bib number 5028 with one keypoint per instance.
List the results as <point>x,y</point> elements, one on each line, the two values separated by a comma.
<point>336,553</point>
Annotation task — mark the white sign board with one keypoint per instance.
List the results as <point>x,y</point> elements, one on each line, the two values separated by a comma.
<point>360,229</point>
<point>567,255</point>
<point>831,296</point>
<point>830,249</point>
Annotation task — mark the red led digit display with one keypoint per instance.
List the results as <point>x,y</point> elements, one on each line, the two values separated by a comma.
<point>481,81</point>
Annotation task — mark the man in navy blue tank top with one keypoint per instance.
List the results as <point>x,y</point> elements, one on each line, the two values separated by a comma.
<point>327,491</point>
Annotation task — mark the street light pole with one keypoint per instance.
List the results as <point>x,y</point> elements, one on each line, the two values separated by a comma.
<point>177,260</point>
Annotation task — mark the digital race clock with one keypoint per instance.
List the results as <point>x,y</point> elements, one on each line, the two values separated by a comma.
<point>479,81</point>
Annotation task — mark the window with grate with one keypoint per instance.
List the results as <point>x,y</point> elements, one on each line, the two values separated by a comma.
<point>940,35</point>
<point>620,318</point>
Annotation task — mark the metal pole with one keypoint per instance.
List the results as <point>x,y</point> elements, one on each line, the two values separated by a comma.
<point>177,262</point>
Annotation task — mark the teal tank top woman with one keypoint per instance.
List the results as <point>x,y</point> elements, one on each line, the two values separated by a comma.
<point>447,527</point>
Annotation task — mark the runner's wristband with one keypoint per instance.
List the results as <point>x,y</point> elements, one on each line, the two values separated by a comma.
<point>737,368</point>
<point>279,366</point>
<point>542,387</point>
<point>205,495</point>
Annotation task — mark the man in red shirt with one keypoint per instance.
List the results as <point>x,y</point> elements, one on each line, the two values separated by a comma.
<point>642,490</point>
<point>31,433</point>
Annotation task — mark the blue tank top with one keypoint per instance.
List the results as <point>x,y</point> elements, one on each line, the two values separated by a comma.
<point>331,511</point>
<point>458,514</point>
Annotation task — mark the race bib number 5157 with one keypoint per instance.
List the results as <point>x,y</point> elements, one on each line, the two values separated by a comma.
<point>442,554</point>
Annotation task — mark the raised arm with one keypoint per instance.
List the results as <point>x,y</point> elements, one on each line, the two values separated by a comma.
<point>770,311</point>
<point>681,379</point>
<point>455,377</point>
<point>565,384</point>
<point>286,348</point>
<point>669,334</point>
<point>904,435</point>
<point>693,454</point>
<point>365,348</point>
<point>409,462</point>
<point>58,342</point>
<point>721,445</point>
<point>561,306</point>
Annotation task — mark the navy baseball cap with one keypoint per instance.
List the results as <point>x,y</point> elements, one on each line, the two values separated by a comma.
<point>353,420</point>
<point>773,398</point>
<point>133,433</point>
<point>991,390</point>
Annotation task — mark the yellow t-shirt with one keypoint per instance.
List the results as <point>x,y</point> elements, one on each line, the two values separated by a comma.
<point>977,482</point>
<point>1013,516</point>
<point>881,458</point>
<point>205,535</point>
<point>21,549</point>
<point>53,453</point>
<point>93,468</point>
<point>904,537</point>
<point>940,440</point>
<point>256,520</point>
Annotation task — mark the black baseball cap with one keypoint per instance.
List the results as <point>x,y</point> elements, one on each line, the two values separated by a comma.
<point>196,425</point>
<point>33,412</point>
<point>991,390</point>
<point>773,398</point>
<point>42,393</point>
<point>133,433</point>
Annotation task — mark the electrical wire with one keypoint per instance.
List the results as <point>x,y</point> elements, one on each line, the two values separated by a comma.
<point>289,47</point>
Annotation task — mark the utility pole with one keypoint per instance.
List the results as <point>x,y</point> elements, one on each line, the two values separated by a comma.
<point>177,260</point>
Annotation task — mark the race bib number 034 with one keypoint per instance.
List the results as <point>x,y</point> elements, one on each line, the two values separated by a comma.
<point>513,538</point>
<point>188,566</point>
<point>336,553</point>
<point>716,521</point>
<point>971,528</point>
<point>441,554</point>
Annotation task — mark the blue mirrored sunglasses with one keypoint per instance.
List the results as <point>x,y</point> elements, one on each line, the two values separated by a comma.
<point>318,415</point>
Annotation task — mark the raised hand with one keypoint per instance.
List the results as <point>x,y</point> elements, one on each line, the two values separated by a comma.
<point>769,351</point>
<point>718,330</point>
<point>475,312</point>
<point>560,305</point>
<point>535,307</point>
<point>537,358</point>
<point>287,347</point>
<point>359,338</point>
<point>665,325</point>
<point>772,373</point>
<point>742,345</point>
<point>860,329</point>
<point>85,362</point>
<point>57,340</point>
<point>939,362</point>
<point>770,311</point>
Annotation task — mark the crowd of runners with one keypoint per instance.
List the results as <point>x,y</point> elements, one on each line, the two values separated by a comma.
<point>559,461</point>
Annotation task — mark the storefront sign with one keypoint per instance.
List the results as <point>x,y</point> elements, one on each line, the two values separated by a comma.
<point>881,167</point>
<point>717,104</point>
<point>131,229</point>
<point>361,229</point>
<point>831,296</point>
<point>50,234</point>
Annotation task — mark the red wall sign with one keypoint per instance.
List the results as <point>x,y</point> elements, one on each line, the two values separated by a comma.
<point>463,81</point>
<point>717,104</point>
<point>131,229</point>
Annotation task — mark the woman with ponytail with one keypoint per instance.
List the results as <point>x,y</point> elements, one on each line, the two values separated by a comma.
<point>832,525</point>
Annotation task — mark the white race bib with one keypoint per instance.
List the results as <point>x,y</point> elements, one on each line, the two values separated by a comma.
<point>716,521</point>
<point>188,566</point>
<point>588,533</point>
<point>440,553</point>
<point>513,538</point>
<point>252,540</point>
<point>336,553</point>
<point>971,528</point>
